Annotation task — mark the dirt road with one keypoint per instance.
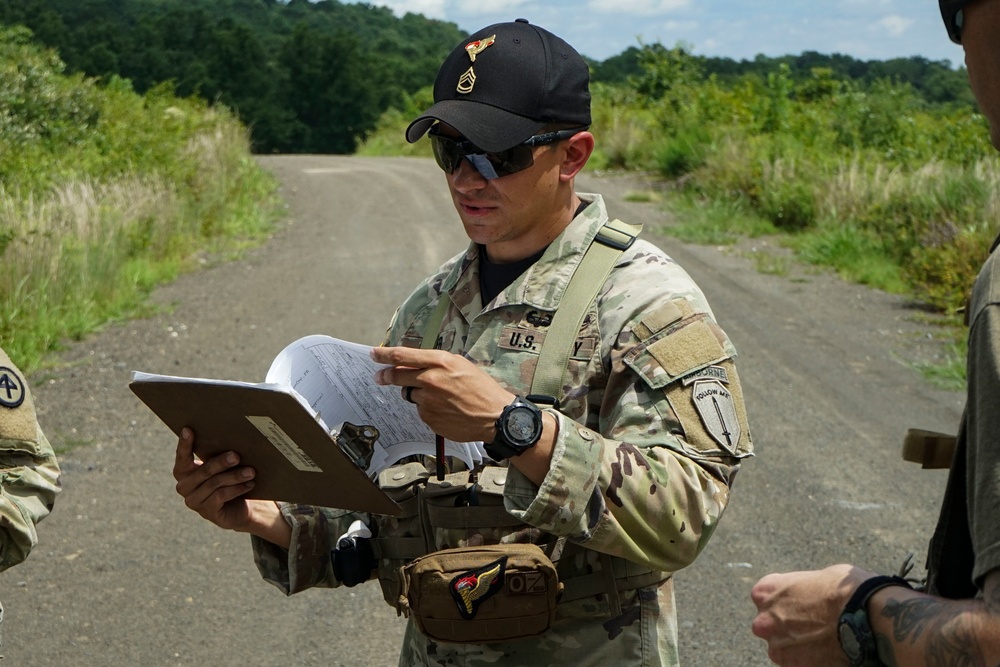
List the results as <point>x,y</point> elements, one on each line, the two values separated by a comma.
<point>126,575</point>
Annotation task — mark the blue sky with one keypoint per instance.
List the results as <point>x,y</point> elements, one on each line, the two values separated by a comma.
<point>738,29</point>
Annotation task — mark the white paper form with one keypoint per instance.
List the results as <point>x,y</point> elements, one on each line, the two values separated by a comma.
<point>337,380</point>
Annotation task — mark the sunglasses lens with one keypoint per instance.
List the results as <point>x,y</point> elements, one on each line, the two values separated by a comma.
<point>512,160</point>
<point>449,155</point>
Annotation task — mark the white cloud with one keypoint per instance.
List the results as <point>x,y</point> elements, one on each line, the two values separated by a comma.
<point>680,26</point>
<point>644,7</point>
<point>895,24</point>
<point>489,6</point>
<point>430,8</point>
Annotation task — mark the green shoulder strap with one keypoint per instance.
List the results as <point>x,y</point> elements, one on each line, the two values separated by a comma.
<point>433,328</point>
<point>614,238</point>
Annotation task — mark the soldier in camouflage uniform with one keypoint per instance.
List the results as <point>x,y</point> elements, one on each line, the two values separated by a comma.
<point>29,472</point>
<point>623,477</point>
<point>845,615</point>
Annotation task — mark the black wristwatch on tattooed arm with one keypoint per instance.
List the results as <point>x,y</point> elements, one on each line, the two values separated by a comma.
<point>854,630</point>
<point>519,428</point>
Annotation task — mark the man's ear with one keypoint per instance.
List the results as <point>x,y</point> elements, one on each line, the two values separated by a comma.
<point>576,151</point>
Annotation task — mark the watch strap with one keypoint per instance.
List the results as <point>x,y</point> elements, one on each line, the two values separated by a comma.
<point>499,451</point>
<point>855,614</point>
<point>501,448</point>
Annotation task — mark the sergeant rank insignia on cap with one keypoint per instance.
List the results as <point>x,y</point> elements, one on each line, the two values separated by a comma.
<point>468,80</point>
<point>11,388</point>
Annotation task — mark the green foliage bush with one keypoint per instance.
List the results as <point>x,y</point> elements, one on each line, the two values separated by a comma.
<point>884,187</point>
<point>105,193</point>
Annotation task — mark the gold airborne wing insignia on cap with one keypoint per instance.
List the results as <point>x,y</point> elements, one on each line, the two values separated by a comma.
<point>478,46</point>
<point>468,80</point>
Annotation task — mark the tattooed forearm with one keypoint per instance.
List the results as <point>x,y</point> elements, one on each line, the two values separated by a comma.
<point>911,617</point>
<point>949,632</point>
<point>992,600</point>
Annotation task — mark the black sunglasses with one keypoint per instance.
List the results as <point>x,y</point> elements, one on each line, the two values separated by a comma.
<point>449,153</point>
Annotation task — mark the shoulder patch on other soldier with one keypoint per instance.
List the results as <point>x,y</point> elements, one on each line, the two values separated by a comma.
<point>17,411</point>
<point>12,388</point>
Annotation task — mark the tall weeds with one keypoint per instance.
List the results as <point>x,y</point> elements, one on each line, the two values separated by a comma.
<point>105,194</point>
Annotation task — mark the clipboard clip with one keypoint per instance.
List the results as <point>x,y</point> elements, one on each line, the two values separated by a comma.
<point>358,442</point>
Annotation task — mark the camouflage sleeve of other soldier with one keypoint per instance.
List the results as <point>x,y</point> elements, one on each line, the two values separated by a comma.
<point>29,472</point>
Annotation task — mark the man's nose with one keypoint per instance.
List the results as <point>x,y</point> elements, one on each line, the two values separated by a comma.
<point>466,177</point>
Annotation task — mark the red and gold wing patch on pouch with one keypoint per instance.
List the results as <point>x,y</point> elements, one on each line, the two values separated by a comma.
<point>470,589</point>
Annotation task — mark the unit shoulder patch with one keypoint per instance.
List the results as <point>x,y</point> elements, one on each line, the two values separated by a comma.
<point>717,409</point>
<point>12,389</point>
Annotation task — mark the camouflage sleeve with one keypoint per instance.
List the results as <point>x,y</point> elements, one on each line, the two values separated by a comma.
<point>29,472</point>
<point>307,564</point>
<point>651,482</point>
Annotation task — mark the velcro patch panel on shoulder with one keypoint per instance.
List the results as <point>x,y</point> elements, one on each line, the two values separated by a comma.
<point>690,346</point>
<point>661,318</point>
<point>680,350</point>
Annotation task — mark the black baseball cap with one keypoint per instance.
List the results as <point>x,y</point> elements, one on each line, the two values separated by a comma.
<point>506,82</point>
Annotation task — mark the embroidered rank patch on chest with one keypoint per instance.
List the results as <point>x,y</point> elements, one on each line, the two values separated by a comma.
<point>717,410</point>
<point>538,318</point>
<point>11,388</point>
<point>470,589</point>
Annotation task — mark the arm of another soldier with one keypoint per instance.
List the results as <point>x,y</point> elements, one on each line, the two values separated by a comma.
<point>29,472</point>
<point>798,613</point>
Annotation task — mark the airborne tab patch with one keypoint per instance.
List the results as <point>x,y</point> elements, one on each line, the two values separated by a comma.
<point>717,372</point>
<point>471,589</point>
<point>717,410</point>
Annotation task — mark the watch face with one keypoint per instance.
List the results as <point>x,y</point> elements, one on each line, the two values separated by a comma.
<point>521,425</point>
<point>849,641</point>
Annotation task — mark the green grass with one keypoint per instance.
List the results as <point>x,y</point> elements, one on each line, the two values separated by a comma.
<point>105,194</point>
<point>712,221</point>
<point>853,254</point>
<point>949,372</point>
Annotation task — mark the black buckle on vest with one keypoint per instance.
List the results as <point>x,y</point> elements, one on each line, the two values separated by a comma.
<point>615,238</point>
<point>544,399</point>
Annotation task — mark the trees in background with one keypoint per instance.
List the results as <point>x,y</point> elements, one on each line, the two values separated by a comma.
<point>307,77</point>
<point>316,76</point>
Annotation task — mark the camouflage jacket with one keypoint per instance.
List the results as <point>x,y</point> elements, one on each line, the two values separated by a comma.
<point>29,472</point>
<point>652,429</point>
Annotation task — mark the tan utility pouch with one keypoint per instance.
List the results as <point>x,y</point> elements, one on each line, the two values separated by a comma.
<point>929,448</point>
<point>481,594</point>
